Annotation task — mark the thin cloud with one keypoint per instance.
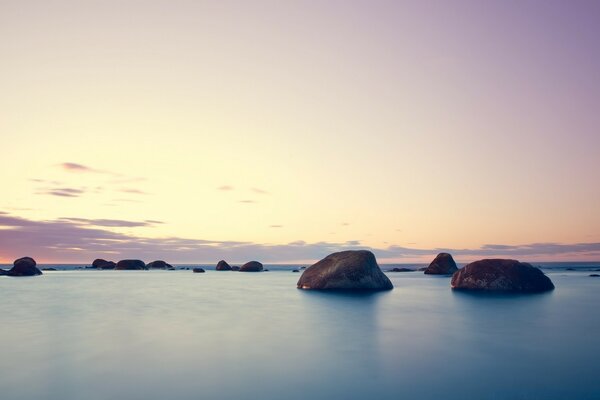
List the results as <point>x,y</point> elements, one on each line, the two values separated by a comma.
<point>225,188</point>
<point>275,226</point>
<point>132,191</point>
<point>344,224</point>
<point>259,191</point>
<point>247,201</point>
<point>116,223</point>
<point>74,167</point>
<point>62,192</point>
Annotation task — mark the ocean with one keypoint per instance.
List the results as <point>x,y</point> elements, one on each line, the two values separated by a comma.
<point>98,335</point>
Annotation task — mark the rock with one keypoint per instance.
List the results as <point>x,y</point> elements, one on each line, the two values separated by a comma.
<point>235,268</point>
<point>265,270</point>
<point>130,265</point>
<point>198,270</point>
<point>25,266</point>
<point>251,266</point>
<point>49,269</point>
<point>158,264</point>
<point>500,275</point>
<point>296,270</point>
<point>443,264</point>
<point>223,266</point>
<point>347,270</point>
<point>171,269</point>
<point>594,275</point>
<point>570,269</point>
<point>103,264</point>
<point>400,270</point>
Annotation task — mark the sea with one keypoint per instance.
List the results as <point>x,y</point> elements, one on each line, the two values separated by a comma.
<point>80,334</point>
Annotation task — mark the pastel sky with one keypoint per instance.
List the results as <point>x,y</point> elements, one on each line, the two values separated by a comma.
<point>284,130</point>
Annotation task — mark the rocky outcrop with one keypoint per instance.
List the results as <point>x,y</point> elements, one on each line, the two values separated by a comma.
<point>400,270</point>
<point>443,264</point>
<point>158,264</point>
<point>501,275</point>
<point>198,270</point>
<point>103,264</point>
<point>251,266</point>
<point>130,265</point>
<point>346,270</point>
<point>223,266</point>
<point>25,266</point>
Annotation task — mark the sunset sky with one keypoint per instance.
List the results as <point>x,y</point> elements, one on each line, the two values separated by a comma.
<point>282,131</point>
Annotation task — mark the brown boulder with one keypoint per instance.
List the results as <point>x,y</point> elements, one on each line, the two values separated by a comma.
<point>251,266</point>
<point>501,275</point>
<point>346,270</point>
<point>25,266</point>
<point>130,265</point>
<point>223,266</point>
<point>158,264</point>
<point>443,264</point>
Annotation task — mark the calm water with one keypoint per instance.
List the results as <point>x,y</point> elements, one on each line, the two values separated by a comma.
<point>229,335</point>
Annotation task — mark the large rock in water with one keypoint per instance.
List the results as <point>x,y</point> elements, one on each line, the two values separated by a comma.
<point>158,264</point>
<point>223,266</point>
<point>442,264</point>
<point>500,275</point>
<point>103,264</point>
<point>130,265</point>
<point>25,266</point>
<point>251,266</point>
<point>348,270</point>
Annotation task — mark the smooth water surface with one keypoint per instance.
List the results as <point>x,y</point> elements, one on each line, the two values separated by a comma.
<point>228,335</point>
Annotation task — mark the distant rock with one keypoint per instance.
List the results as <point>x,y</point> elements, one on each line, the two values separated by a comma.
<point>49,269</point>
<point>570,269</point>
<point>346,270</point>
<point>235,268</point>
<point>302,267</point>
<point>296,270</point>
<point>130,265</point>
<point>198,270</point>
<point>400,270</point>
<point>251,266</point>
<point>265,270</point>
<point>25,266</point>
<point>501,275</point>
<point>594,275</point>
<point>103,264</point>
<point>223,266</point>
<point>443,264</point>
<point>158,264</point>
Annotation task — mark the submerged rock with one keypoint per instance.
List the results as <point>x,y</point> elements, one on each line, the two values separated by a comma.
<point>251,266</point>
<point>594,275</point>
<point>158,264</point>
<point>223,266</point>
<point>103,264</point>
<point>25,266</point>
<point>130,265</point>
<point>400,270</point>
<point>443,264</point>
<point>347,270</point>
<point>501,275</point>
<point>49,269</point>
<point>296,270</point>
<point>198,270</point>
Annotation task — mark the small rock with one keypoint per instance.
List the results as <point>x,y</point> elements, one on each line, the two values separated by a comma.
<point>130,265</point>
<point>198,270</point>
<point>443,264</point>
<point>251,266</point>
<point>223,266</point>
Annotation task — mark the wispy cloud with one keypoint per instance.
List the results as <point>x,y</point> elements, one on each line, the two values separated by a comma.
<point>56,239</point>
<point>259,191</point>
<point>62,192</point>
<point>275,226</point>
<point>132,191</point>
<point>225,188</point>
<point>109,222</point>
<point>247,201</point>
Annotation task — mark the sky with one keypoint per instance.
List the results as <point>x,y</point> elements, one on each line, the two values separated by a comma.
<point>194,131</point>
